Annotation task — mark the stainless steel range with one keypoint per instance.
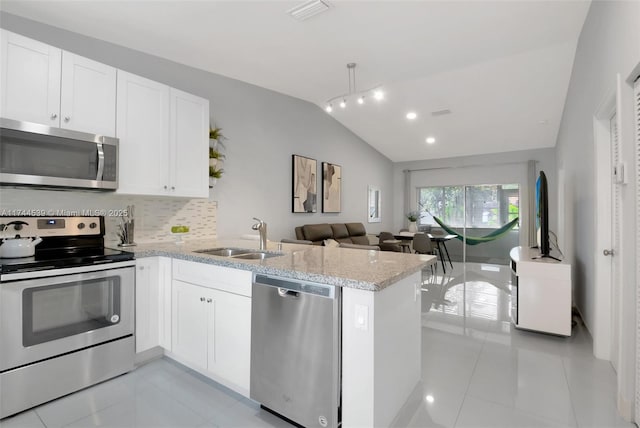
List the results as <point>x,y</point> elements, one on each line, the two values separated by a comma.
<point>66,313</point>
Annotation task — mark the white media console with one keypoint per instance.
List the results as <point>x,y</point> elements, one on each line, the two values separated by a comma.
<point>540,292</point>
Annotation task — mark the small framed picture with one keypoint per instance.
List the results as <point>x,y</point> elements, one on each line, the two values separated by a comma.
<point>331,187</point>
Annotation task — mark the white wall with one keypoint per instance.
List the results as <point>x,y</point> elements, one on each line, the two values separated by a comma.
<point>264,129</point>
<point>609,44</point>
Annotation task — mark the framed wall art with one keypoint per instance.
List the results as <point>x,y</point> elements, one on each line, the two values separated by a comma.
<point>331,187</point>
<point>374,204</point>
<point>305,186</point>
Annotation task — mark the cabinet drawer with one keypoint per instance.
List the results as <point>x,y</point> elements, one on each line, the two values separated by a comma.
<point>216,277</point>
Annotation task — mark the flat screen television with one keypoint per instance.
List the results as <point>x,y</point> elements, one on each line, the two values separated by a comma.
<point>542,215</point>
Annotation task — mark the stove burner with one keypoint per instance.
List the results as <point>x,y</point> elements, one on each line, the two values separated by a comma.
<point>63,247</point>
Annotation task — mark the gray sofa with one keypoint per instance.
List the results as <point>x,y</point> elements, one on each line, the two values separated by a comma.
<point>344,233</point>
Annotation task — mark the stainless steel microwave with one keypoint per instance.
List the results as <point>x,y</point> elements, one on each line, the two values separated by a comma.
<point>38,155</point>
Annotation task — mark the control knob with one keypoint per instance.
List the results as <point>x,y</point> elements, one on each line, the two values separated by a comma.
<point>93,225</point>
<point>80,225</point>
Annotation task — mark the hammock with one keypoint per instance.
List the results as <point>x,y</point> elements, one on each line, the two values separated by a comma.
<point>475,240</point>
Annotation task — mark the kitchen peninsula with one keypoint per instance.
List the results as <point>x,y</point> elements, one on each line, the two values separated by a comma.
<point>381,333</point>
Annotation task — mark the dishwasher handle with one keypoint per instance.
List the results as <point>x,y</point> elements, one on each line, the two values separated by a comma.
<point>283,292</point>
<point>296,288</point>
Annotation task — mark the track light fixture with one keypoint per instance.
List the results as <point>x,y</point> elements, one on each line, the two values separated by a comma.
<point>353,92</point>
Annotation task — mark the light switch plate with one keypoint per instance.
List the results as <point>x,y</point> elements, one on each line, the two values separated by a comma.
<point>361,319</point>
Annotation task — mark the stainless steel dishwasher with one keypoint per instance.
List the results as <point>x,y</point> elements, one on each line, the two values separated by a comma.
<point>295,349</point>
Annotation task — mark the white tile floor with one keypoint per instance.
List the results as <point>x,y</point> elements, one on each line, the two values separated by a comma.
<point>477,372</point>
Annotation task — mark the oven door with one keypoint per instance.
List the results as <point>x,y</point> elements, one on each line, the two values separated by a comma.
<point>44,317</point>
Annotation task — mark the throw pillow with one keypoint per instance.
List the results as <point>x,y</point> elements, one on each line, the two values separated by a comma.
<point>331,243</point>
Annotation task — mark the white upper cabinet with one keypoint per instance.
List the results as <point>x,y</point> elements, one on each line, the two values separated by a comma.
<point>189,145</point>
<point>164,141</point>
<point>143,130</point>
<point>30,80</point>
<point>88,97</point>
<point>43,84</point>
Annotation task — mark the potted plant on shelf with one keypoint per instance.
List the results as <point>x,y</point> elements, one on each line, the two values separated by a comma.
<point>413,218</point>
<point>215,156</point>
<point>214,175</point>
<point>216,137</point>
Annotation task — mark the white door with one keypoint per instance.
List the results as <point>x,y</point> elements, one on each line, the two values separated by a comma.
<point>88,100</point>
<point>30,80</point>
<point>143,129</point>
<point>189,145</point>
<point>605,323</point>
<point>614,251</point>
<point>230,338</point>
<point>190,323</point>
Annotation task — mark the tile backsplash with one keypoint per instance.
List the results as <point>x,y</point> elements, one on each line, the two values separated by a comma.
<point>154,216</point>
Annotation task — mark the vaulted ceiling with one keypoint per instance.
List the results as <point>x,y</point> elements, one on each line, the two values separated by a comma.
<point>501,68</point>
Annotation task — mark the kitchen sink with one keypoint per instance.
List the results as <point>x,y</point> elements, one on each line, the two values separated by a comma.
<point>239,253</point>
<point>224,252</point>
<point>257,256</point>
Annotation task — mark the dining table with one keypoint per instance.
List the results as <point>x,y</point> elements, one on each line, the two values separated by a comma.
<point>440,241</point>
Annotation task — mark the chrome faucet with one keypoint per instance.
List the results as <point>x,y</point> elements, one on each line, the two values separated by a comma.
<point>261,227</point>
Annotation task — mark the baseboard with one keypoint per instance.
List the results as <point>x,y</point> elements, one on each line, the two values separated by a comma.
<point>149,355</point>
<point>625,408</point>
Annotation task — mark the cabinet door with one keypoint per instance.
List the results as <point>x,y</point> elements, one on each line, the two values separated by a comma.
<point>164,314</point>
<point>190,323</point>
<point>30,80</point>
<point>189,145</point>
<point>88,100</point>
<point>147,303</point>
<point>143,129</point>
<point>230,338</point>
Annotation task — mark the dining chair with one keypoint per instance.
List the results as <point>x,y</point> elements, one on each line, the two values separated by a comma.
<point>422,245</point>
<point>405,245</point>
<point>388,242</point>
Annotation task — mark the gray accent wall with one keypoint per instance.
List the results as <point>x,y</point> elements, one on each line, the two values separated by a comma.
<point>264,129</point>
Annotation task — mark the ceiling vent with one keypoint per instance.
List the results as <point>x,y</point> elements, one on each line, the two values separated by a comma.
<point>308,9</point>
<point>441,112</point>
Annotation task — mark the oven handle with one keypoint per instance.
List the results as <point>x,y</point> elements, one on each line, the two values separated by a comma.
<point>65,271</point>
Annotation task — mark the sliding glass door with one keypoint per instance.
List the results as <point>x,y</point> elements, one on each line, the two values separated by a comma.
<point>476,212</point>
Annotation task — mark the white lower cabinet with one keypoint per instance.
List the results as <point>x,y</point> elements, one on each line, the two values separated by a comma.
<point>153,303</point>
<point>191,323</point>
<point>211,326</point>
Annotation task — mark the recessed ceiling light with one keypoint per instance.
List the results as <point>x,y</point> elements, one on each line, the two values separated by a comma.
<point>328,108</point>
<point>343,103</point>
<point>360,100</point>
<point>412,115</point>
<point>429,398</point>
<point>430,140</point>
<point>378,95</point>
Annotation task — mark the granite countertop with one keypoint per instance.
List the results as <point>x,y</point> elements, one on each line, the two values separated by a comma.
<point>344,267</point>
